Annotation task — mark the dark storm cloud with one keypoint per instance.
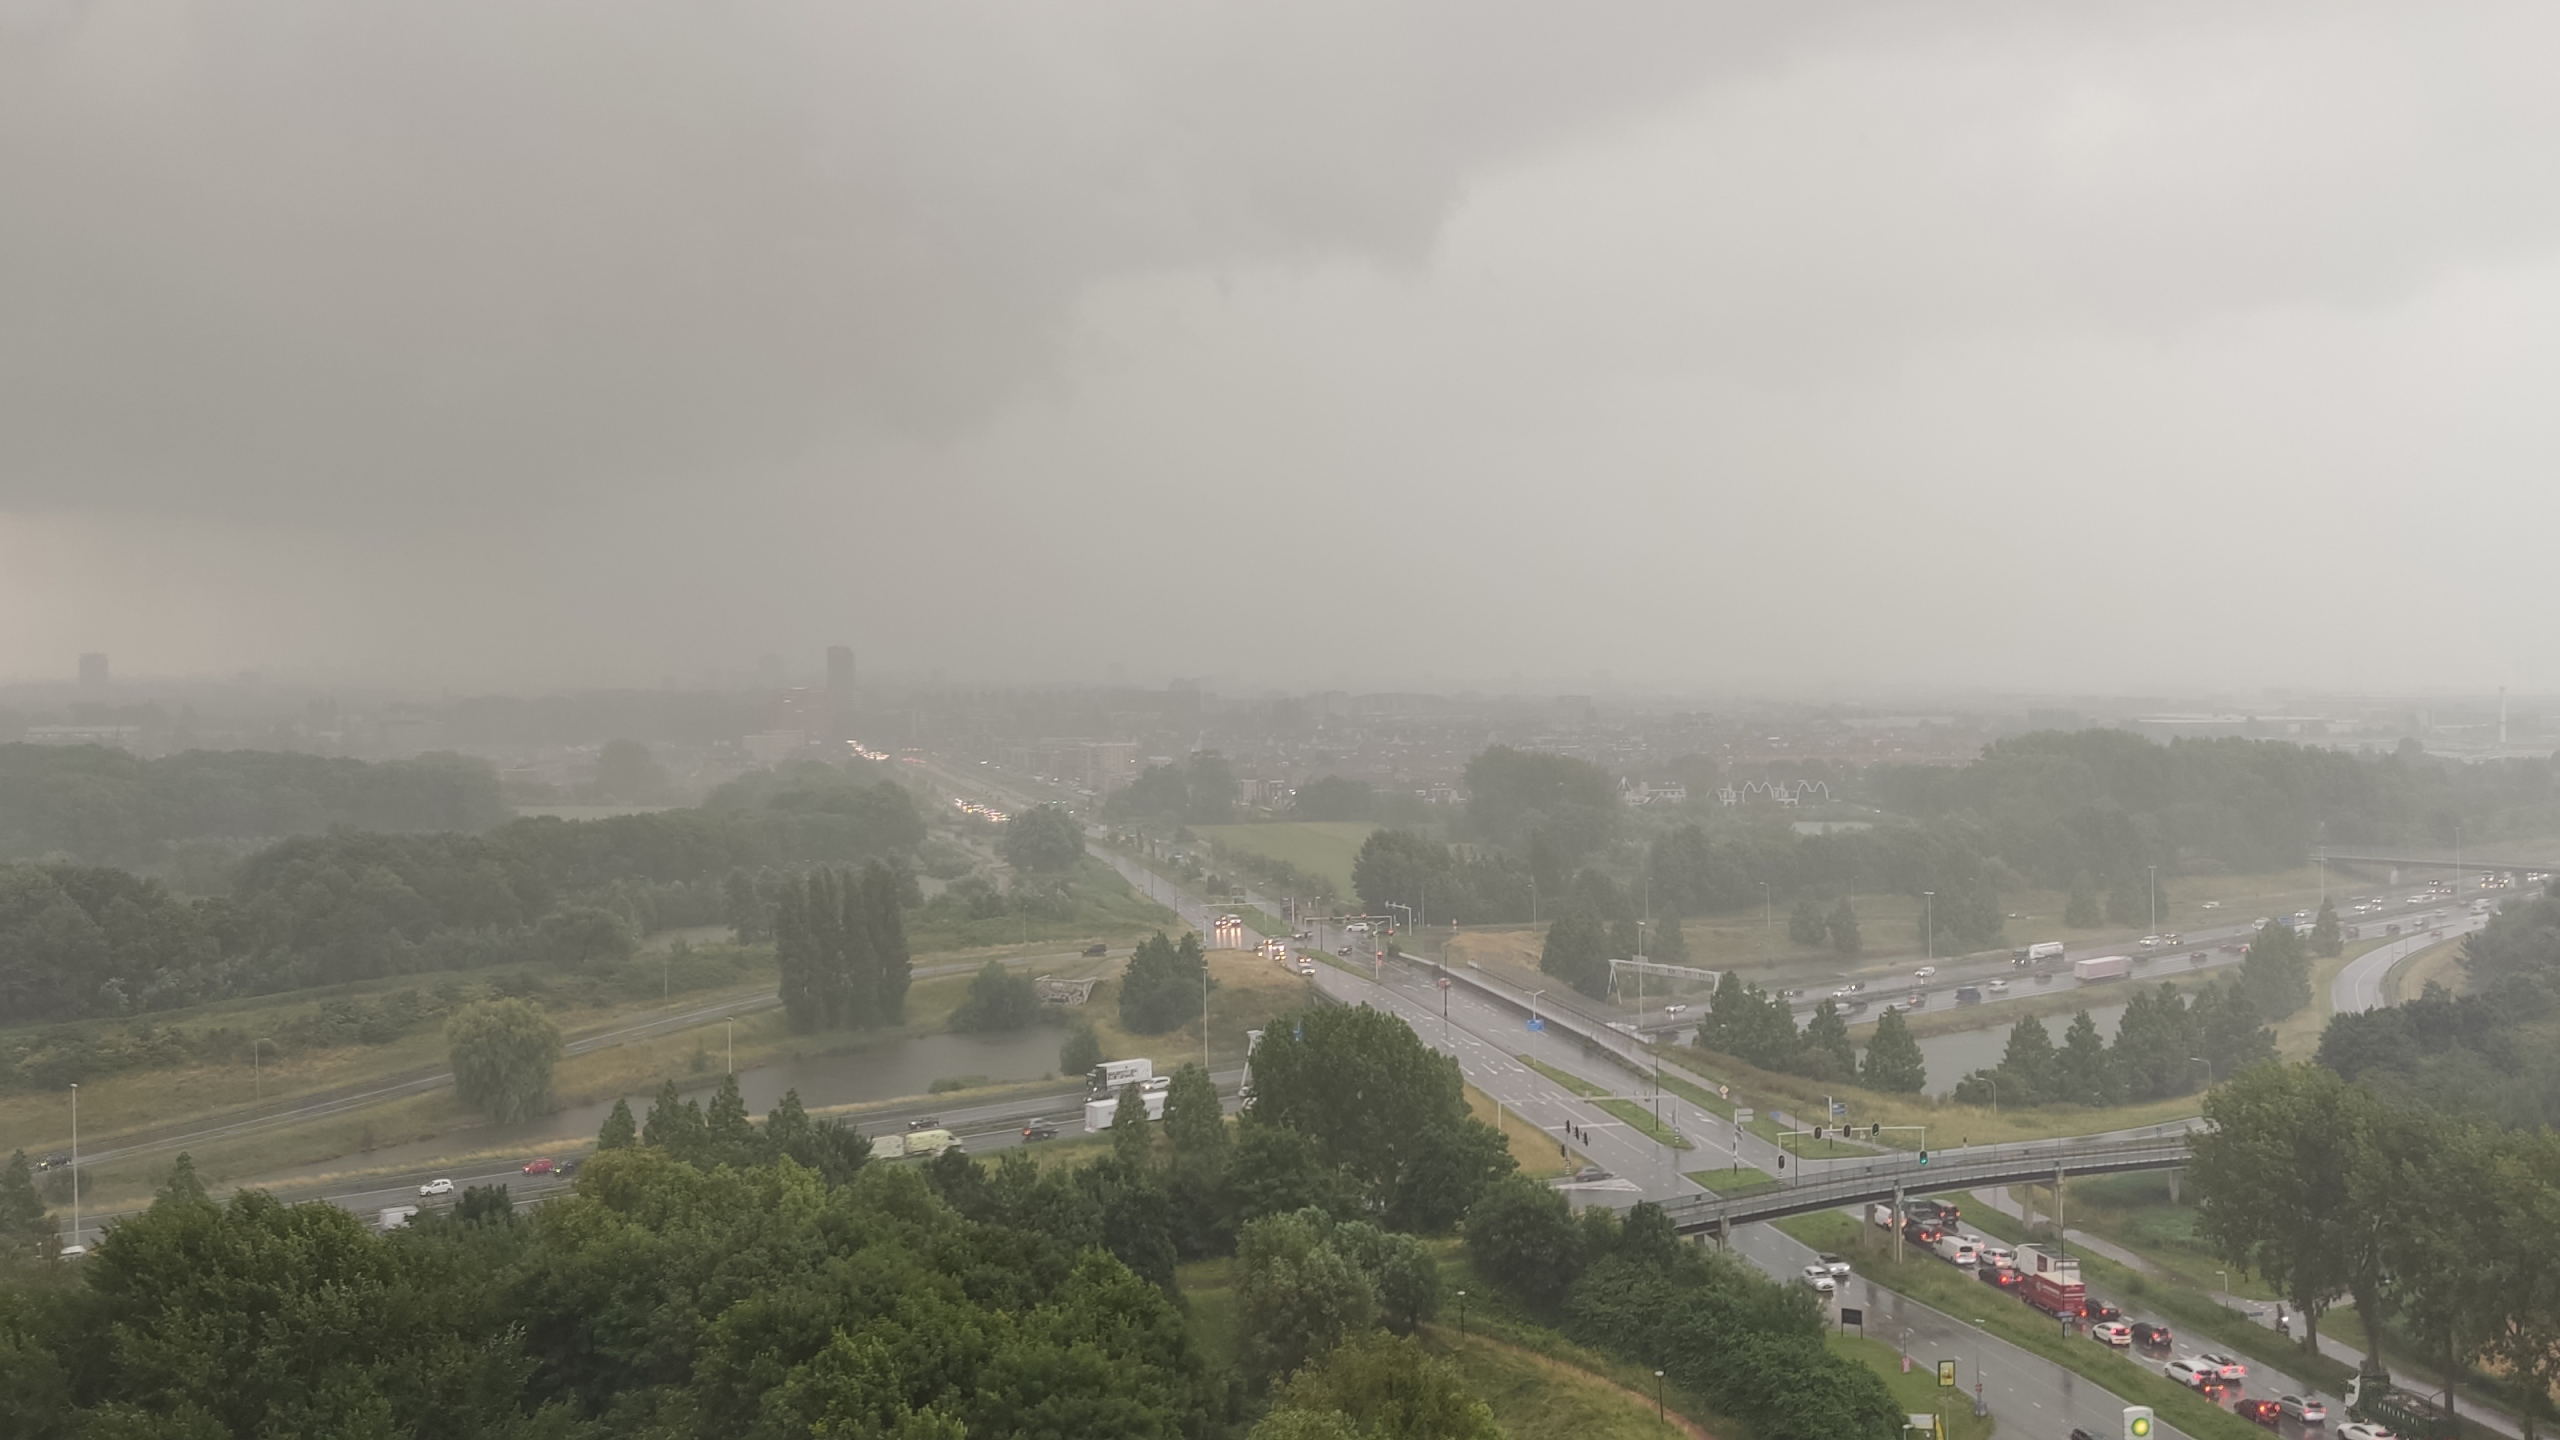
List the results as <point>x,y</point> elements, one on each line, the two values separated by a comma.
<point>312,258</point>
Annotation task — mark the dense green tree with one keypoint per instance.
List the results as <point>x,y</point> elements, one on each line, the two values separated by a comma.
<point>2155,1050</point>
<point>1296,1296</point>
<point>675,1124</point>
<point>1133,1143</point>
<point>1193,1118</point>
<point>1825,1051</point>
<point>1842,927</point>
<point>627,774</point>
<point>2326,938</point>
<point>2228,1035</point>
<point>502,1053</point>
<point>831,1148</point>
<point>1043,839</point>
<point>1380,1106</point>
<point>1378,1387</point>
<point>1894,1064</point>
<point>25,1226</point>
<point>998,999</point>
<point>1571,803</point>
<point>2083,1073</point>
<point>2028,1070</point>
<point>1276,1170</point>
<point>2275,973</point>
<point>1524,1232</point>
<point>2275,1172</point>
<point>1577,951</point>
<point>1805,923</point>
<point>1401,1271</point>
<point>1079,1052</point>
<point>1163,986</point>
<point>745,908</point>
<point>584,935</point>
<point>620,1131</point>
<point>1668,945</point>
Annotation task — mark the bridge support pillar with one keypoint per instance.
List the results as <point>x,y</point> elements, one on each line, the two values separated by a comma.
<point>1724,1232</point>
<point>2174,1176</point>
<point>2058,1227</point>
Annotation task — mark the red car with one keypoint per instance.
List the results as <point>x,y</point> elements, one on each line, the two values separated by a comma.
<point>2265,1412</point>
<point>542,1166</point>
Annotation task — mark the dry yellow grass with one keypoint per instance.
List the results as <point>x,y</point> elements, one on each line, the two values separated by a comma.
<point>1533,1149</point>
<point>2437,964</point>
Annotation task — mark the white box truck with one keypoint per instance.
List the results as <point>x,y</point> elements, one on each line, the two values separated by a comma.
<point>1098,1113</point>
<point>2104,967</point>
<point>914,1145</point>
<point>1107,1077</point>
<point>2038,953</point>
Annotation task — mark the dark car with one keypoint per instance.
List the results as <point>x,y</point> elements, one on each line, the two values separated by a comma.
<point>567,1167</point>
<point>1589,1173</point>
<point>53,1161</point>
<point>2265,1412</point>
<point>2006,1277</point>
<point>2099,1312</point>
<point>924,1122</point>
<point>2157,1336</point>
<point>1039,1130</point>
<point>1097,950</point>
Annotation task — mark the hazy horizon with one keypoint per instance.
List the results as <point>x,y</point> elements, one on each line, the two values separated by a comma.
<point>1986,349</point>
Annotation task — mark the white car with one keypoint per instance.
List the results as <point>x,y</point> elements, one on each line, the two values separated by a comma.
<point>1999,985</point>
<point>2305,1408</point>
<point>1838,1267</point>
<point>1818,1278</point>
<point>436,1187</point>
<point>2115,1333</point>
<point>2229,1367</point>
<point>2194,1374</point>
<point>2211,905</point>
<point>1924,972</point>
<point>1675,1009</point>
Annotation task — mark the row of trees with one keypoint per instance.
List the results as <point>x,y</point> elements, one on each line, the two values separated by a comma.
<point>840,945</point>
<point>1759,1028</point>
<point>2443,1228</point>
<point>78,941</point>
<point>1165,984</point>
<point>111,807</point>
<point>1751,1347</point>
<point>2164,1046</point>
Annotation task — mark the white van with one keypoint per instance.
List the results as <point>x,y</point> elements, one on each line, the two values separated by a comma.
<point>1998,1257</point>
<point>1961,1251</point>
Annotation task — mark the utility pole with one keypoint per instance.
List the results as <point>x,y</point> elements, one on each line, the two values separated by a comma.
<point>75,1162</point>
<point>733,1044</point>
<point>1929,921</point>
<point>2155,897</point>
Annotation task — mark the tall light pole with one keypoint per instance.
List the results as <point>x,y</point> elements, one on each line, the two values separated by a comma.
<point>2208,1069</point>
<point>1659,1414</point>
<point>75,1162</point>
<point>2155,897</point>
<point>733,1044</point>
<point>1994,1082</point>
<point>1929,921</point>
<point>1765,913</point>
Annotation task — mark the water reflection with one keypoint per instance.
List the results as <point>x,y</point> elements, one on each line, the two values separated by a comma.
<point>884,1071</point>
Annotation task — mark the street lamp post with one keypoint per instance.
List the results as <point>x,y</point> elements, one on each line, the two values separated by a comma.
<point>75,1162</point>
<point>1462,1314</point>
<point>1979,1408</point>
<point>733,1044</point>
<point>1660,1414</point>
<point>1766,911</point>
<point>2155,897</point>
<point>1994,1082</point>
<point>2208,1069</point>
<point>1929,921</point>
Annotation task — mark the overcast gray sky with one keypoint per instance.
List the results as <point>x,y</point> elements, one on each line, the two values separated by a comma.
<point>502,344</point>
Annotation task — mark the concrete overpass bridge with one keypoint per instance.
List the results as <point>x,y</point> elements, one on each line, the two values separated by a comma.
<point>2440,862</point>
<point>1890,1178</point>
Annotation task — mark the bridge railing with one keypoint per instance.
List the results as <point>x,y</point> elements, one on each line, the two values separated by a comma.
<point>1877,1180</point>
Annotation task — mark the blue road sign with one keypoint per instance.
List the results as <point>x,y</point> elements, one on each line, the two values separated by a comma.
<point>1536,1024</point>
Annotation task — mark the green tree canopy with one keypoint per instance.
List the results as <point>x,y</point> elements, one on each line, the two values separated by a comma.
<point>1043,839</point>
<point>1893,1063</point>
<point>502,1054</point>
<point>1380,1106</point>
<point>1163,986</point>
<point>1577,951</point>
<point>998,1000</point>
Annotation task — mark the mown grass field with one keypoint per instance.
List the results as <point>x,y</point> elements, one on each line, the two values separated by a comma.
<point>1319,847</point>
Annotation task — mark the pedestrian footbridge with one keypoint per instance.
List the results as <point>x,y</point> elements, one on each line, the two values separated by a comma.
<point>1829,1185</point>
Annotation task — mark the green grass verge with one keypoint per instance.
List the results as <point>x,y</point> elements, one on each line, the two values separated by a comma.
<point>1917,1391</point>
<point>1934,1283</point>
<point>1736,1180</point>
<point>2190,1313</point>
<point>1324,848</point>
<point>1633,1113</point>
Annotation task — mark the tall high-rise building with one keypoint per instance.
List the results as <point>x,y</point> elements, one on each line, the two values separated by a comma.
<point>93,669</point>
<point>840,669</point>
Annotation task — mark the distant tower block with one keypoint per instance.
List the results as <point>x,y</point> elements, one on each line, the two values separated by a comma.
<point>840,669</point>
<point>93,669</point>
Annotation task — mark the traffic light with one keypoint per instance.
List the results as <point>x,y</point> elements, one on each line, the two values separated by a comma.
<point>1924,1157</point>
<point>1817,1132</point>
<point>1875,1130</point>
<point>1782,1160</point>
<point>2137,1422</point>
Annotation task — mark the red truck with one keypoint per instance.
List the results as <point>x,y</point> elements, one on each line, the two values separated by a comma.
<point>2053,1282</point>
